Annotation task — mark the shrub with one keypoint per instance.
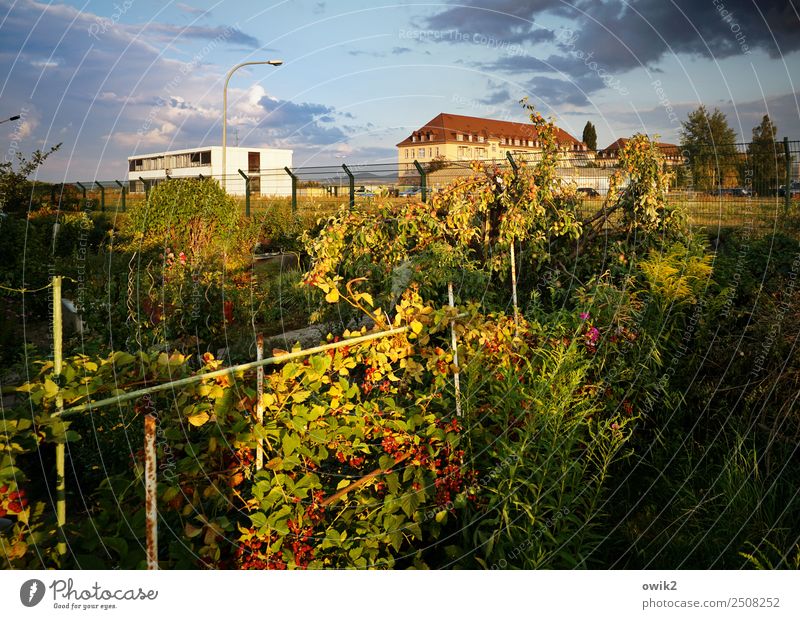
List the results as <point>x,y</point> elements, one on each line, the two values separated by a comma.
<point>194,215</point>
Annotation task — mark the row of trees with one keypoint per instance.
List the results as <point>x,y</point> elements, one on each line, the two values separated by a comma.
<point>713,159</point>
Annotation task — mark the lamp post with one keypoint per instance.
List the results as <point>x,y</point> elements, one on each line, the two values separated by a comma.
<point>9,119</point>
<point>274,63</point>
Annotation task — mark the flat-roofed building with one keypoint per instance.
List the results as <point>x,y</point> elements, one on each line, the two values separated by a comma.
<point>264,166</point>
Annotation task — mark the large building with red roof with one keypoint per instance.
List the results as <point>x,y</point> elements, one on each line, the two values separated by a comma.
<point>609,156</point>
<point>464,138</point>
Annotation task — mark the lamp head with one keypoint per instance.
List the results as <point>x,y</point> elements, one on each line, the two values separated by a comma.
<point>275,63</point>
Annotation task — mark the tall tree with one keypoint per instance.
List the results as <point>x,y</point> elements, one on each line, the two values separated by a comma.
<point>590,135</point>
<point>765,167</point>
<point>710,144</point>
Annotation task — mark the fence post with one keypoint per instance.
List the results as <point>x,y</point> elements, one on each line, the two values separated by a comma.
<point>83,190</point>
<point>61,498</point>
<point>787,194</point>
<point>294,189</point>
<point>259,400</point>
<point>352,185</point>
<point>121,194</point>
<point>102,196</point>
<point>454,345</point>
<point>150,491</point>
<point>514,167</point>
<point>246,193</point>
<point>514,287</point>
<point>146,190</point>
<point>423,180</point>
<point>511,161</point>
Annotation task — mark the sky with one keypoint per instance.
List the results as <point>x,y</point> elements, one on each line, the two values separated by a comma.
<point>119,77</point>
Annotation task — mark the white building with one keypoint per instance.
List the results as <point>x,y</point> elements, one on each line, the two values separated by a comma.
<point>264,166</point>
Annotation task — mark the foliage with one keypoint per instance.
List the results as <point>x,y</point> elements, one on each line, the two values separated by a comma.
<point>589,135</point>
<point>16,191</point>
<point>194,214</point>
<point>766,161</point>
<point>709,142</point>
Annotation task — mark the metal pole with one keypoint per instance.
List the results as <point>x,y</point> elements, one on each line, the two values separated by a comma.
<point>352,185</point>
<point>260,400</point>
<point>454,345</point>
<point>121,194</point>
<point>294,189</point>
<point>83,190</point>
<point>511,161</point>
<point>150,491</point>
<point>61,499</point>
<point>102,196</point>
<point>146,190</point>
<point>246,193</point>
<point>514,287</point>
<point>243,367</point>
<point>787,195</point>
<point>274,63</point>
<point>423,181</point>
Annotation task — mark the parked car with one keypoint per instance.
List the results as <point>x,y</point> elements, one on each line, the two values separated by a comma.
<point>794,190</point>
<point>362,192</point>
<point>731,192</point>
<point>410,192</point>
<point>588,192</point>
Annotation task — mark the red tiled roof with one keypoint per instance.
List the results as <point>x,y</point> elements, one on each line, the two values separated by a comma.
<point>616,146</point>
<point>445,127</point>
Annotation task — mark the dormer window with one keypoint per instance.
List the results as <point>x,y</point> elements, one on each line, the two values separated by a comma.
<point>459,137</point>
<point>413,138</point>
<point>481,139</point>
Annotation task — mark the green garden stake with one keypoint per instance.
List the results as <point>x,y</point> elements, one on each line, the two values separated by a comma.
<point>423,181</point>
<point>121,194</point>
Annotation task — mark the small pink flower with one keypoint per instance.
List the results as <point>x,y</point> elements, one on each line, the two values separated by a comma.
<point>592,335</point>
<point>584,315</point>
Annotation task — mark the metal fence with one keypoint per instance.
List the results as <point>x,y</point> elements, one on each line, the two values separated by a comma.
<point>731,184</point>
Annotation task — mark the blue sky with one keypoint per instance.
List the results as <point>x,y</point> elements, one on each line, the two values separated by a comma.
<point>110,79</point>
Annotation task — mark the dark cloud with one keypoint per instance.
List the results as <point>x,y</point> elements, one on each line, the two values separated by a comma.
<point>619,36</point>
<point>497,96</point>
<point>225,34</point>
<point>555,91</point>
<point>300,123</point>
<point>400,50</point>
<point>508,20</point>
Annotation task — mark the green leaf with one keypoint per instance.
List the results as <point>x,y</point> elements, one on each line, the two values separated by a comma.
<point>258,519</point>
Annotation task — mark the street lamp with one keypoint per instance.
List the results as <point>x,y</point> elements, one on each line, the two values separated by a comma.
<point>8,119</point>
<point>274,63</point>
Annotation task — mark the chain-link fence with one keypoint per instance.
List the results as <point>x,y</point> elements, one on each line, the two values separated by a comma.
<point>719,185</point>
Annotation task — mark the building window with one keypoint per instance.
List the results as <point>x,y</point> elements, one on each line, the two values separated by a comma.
<point>437,151</point>
<point>516,141</point>
<point>421,153</point>
<point>459,137</point>
<point>481,139</point>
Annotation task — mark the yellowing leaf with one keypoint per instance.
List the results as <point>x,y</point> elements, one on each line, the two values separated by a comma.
<point>198,419</point>
<point>50,388</point>
<point>416,326</point>
<point>332,296</point>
